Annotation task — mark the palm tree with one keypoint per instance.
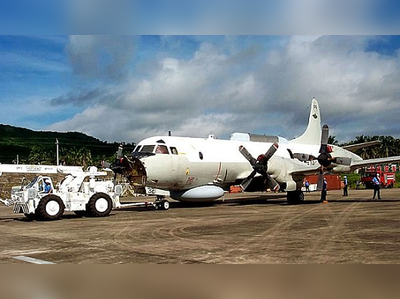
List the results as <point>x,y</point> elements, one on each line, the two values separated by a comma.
<point>39,155</point>
<point>332,140</point>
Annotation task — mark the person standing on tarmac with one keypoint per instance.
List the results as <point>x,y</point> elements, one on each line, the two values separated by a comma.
<point>345,186</point>
<point>324,190</point>
<point>377,186</point>
<point>307,185</point>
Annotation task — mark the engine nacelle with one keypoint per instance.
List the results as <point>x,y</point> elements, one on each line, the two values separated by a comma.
<point>290,186</point>
<point>198,194</point>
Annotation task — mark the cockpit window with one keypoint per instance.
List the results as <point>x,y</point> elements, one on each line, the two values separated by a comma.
<point>147,148</point>
<point>137,148</point>
<point>174,151</point>
<point>162,149</point>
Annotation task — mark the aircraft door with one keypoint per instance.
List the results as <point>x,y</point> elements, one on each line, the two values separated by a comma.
<point>179,169</point>
<point>221,174</point>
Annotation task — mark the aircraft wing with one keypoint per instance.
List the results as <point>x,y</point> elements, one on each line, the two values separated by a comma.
<point>370,162</point>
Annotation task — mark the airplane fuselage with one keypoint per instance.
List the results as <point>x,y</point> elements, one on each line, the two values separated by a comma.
<point>179,164</point>
<point>201,169</point>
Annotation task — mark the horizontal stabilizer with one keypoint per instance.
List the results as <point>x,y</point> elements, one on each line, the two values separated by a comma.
<point>354,147</point>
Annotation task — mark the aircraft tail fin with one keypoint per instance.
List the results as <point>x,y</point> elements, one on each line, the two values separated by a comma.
<point>312,135</point>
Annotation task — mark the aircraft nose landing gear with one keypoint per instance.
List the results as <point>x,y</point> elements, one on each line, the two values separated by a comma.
<point>161,203</point>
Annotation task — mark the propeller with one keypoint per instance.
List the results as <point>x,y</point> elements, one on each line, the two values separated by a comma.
<point>325,159</point>
<point>260,165</point>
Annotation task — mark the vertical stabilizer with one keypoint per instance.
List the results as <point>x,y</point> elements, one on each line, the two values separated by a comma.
<point>312,135</point>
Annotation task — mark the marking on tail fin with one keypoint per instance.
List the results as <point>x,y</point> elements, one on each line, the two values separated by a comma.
<point>312,134</point>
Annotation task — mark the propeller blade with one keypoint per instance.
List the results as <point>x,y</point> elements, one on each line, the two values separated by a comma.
<point>325,134</point>
<point>271,151</point>
<point>320,181</point>
<point>247,155</point>
<point>246,182</point>
<point>324,139</point>
<point>342,160</point>
<point>272,183</point>
<point>259,166</point>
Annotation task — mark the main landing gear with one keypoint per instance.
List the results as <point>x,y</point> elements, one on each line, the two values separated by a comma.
<point>295,197</point>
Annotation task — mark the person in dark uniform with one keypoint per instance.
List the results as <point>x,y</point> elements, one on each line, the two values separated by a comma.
<point>307,185</point>
<point>345,186</point>
<point>377,186</point>
<point>324,190</point>
<point>47,187</point>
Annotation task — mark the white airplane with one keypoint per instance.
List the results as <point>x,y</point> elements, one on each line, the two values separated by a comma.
<point>201,170</point>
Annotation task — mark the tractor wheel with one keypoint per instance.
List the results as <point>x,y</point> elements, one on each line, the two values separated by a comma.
<point>99,205</point>
<point>50,207</point>
<point>30,217</point>
<point>81,213</point>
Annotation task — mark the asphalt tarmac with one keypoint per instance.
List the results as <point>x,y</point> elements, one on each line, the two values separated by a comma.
<point>249,228</point>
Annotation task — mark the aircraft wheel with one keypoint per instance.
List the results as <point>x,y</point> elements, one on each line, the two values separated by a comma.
<point>301,196</point>
<point>50,207</point>
<point>295,197</point>
<point>99,205</point>
<point>164,205</point>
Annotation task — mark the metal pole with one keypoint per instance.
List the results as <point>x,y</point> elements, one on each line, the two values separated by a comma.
<point>58,162</point>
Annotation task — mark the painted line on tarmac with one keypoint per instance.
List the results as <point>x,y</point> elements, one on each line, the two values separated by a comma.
<point>32,260</point>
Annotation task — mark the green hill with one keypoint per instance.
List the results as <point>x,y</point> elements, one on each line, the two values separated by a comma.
<point>40,147</point>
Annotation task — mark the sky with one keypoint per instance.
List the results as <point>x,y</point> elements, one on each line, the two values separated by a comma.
<point>206,68</point>
<point>197,17</point>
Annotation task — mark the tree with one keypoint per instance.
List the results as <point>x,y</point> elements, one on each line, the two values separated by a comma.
<point>76,157</point>
<point>39,155</point>
<point>332,140</point>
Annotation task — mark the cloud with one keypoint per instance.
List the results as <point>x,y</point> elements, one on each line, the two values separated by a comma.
<point>84,97</point>
<point>101,16</point>
<point>221,89</point>
<point>199,16</point>
<point>100,57</point>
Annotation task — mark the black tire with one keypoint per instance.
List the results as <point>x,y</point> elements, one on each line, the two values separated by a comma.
<point>31,217</point>
<point>295,197</point>
<point>164,205</point>
<point>99,205</point>
<point>300,196</point>
<point>50,207</point>
<point>81,213</point>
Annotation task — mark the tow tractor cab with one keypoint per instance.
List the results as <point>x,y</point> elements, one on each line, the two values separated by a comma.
<point>81,192</point>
